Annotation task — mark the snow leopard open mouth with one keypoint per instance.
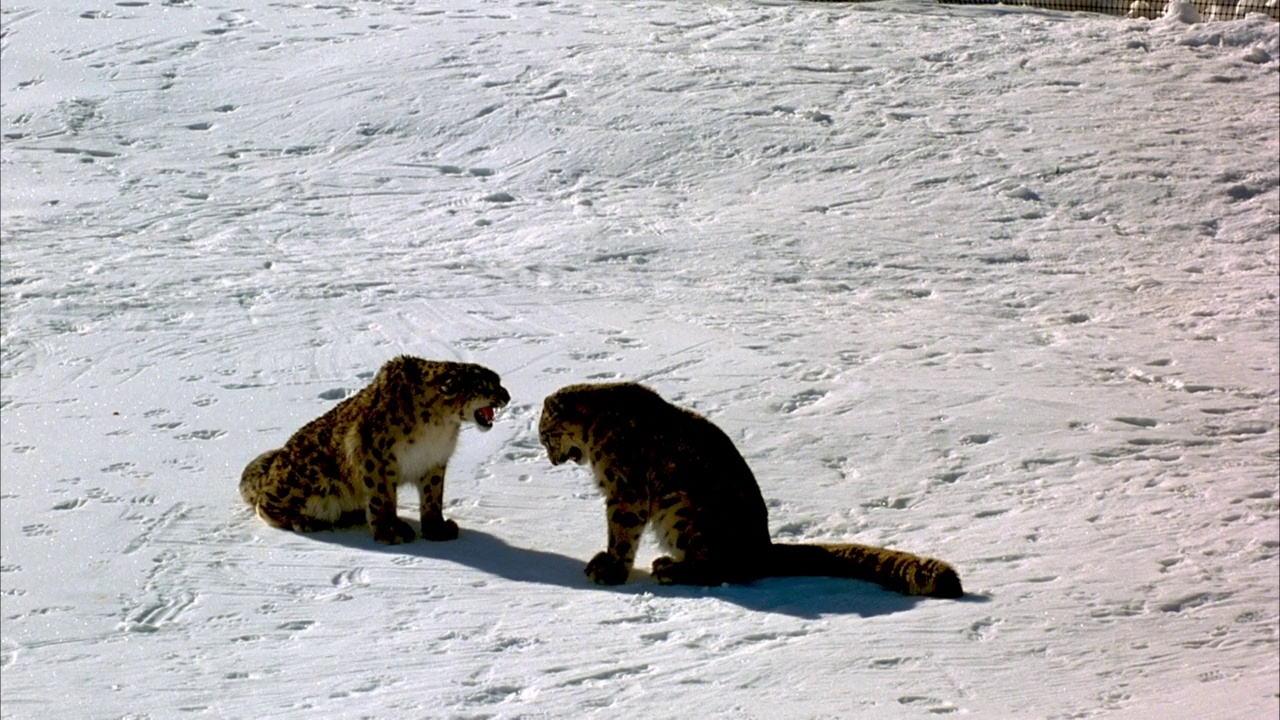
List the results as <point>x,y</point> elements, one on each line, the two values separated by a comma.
<point>484,417</point>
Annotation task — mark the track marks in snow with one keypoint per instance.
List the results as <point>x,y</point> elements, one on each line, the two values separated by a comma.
<point>35,530</point>
<point>364,686</point>
<point>355,577</point>
<point>1141,422</point>
<point>982,630</point>
<point>493,694</point>
<point>605,676</point>
<point>152,617</point>
<point>931,705</point>
<point>346,585</point>
<point>1193,601</point>
<point>152,527</point>
<point>801,400</point>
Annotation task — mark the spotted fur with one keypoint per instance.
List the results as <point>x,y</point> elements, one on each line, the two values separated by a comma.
<point>672,470</point>
<point>343,469</point>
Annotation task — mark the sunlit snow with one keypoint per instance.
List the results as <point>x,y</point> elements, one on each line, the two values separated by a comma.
<point>989,284</point>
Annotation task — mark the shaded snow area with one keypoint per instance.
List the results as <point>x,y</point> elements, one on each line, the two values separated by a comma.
<point>993,285</point>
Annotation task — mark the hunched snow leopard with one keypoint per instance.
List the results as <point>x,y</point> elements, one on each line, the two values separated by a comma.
<point>665,467</point>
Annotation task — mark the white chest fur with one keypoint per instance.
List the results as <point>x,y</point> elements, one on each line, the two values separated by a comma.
<point>429,447</point>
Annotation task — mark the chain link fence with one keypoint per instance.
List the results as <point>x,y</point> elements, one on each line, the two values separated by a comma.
<point>1208,9</point>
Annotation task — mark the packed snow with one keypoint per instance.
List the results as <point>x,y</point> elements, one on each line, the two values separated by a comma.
<point>993,285</point>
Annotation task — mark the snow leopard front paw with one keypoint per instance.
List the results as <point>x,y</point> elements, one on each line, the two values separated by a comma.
<point>665,570</point>
<point>393,531</point>
<point>439,530</point>
<point>605,569</point>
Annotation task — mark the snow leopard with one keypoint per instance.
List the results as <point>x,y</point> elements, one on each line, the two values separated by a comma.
<point>343,468</point>
<point>670,469</point>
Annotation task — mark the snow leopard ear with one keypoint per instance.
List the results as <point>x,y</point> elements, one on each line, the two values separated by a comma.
<point>448,383</point>
<point>565,405</point>
<point>579,409</point>
<point>457,379</point>
<point>460,378</point>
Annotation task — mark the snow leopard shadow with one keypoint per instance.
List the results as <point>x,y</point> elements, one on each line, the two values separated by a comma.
<point>808,598</point>
<point>476,549</point>
<point>802,597</point>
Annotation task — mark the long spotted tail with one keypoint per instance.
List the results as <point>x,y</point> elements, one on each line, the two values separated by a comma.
<point>254,475</point>
<point>892,569</point>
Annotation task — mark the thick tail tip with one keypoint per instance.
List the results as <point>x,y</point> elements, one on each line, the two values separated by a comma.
<point>946,584</point>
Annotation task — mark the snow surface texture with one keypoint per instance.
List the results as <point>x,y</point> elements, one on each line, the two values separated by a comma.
<point>994,285</point>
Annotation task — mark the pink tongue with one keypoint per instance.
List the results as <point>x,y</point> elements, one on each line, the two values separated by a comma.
<point>487,414</point>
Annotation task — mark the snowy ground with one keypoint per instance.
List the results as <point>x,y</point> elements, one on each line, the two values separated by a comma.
<point>996,286</point>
